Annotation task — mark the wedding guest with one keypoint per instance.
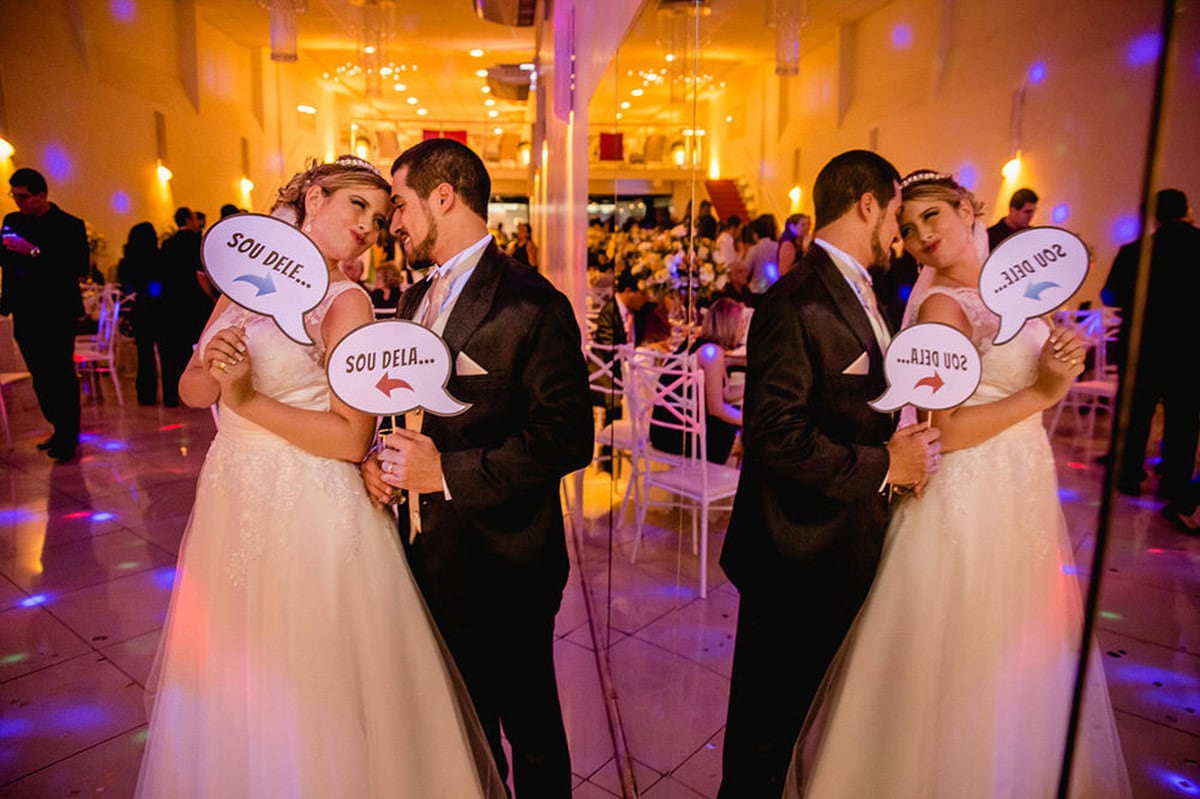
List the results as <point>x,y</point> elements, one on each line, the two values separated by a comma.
<point>719,334</point>
<point>521,248</point>
<point>387,295</point>
<point>44,254</point>
<point>1021,208</point>
<point>811,508</point>
<point>958,675</point>
<point>185,279</point>
<point>793,243</point>
<point>298,658</point>
<point>727,239</point>
<point>737,285</point>
<point>152,315</point>
<point>763,255</point>
<point>706,224</point>
<point>490,555</point>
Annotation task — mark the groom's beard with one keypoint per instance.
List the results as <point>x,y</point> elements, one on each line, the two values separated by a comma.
<point>880,255</point>
<point>422,251</point>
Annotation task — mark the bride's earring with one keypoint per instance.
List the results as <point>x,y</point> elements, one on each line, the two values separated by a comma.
<point>306,228</point>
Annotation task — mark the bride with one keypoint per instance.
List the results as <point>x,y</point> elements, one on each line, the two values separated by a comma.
<point>957,677</point>
<point>298,659</point>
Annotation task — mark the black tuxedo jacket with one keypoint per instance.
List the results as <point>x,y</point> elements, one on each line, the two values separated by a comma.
<point>44,291</point>
<point>530,423</point>
<point>809,515</point>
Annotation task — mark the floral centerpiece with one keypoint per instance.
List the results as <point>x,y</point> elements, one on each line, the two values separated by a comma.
<point>670,261</point>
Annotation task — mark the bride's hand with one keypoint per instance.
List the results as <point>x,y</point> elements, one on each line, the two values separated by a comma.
<point>228,361</point>
<point>1060,363</point>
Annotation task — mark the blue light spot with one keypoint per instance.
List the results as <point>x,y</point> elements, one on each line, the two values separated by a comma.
<point>771,271</point>
<point>120,202</point>
<point>122,10</point>
<point>154,288</point>
<point>968,176</point>
<point>902,36</point>
<point>710,351</point>
<point>103,516</point>
<point>1067,494</point>
<point>1125,228</point>
<point>113,446</point>
<point>15,728</point>
<point>905,292</point>
<point>165,577</point>
<point>76,716</point>
<point>89,438</point>
<point>1060,213</point>
<point>1176,781</point>
<point>18,516</point>
<point>34,601</point>
<point>1144,49</point>
<point>1037,72</point>
<point>58,163</point>
<point>1071,570</point>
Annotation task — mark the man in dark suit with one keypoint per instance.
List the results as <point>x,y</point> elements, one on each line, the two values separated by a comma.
<point>1021,208</point>
<point>1162,376</point>
<point>491,556</point>
<point>44,256</point>
<point>812,506</point>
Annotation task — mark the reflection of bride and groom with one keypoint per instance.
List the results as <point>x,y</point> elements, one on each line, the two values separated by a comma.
<point>927,646</point>
<point>310,651</point>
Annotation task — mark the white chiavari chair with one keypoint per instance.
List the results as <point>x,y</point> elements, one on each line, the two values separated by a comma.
<point>1096,390</point>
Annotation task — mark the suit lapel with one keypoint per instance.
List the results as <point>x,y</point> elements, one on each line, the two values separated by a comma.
<point>847,302</point>
<point>410,299</point>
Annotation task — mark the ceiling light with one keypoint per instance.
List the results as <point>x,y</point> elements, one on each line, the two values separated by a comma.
<point>164,174</point>
<point>527,67</point>
<point>400,87</point>
<point>489,102</point>
<point>485,89</point>
<point>481,73</point>
<point>6,148</point>
<point>476,53</point>
<point>493,113</point>
<point>413,101</point>
<point>306,109</point>
<point>729,118</point>
<point>625,105</point>
<point>247,185</point>
<point>498,131</point>
<point>421,112</point>
<point>369,49</point>
<point>670,57</point>
<point>638,92</point>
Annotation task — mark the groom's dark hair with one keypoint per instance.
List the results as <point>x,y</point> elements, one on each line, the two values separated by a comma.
<point>846,178</point>
<point>436,161</point>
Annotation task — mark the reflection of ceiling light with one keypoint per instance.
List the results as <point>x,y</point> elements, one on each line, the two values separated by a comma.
<point>306,109</point>
<point>638,92</point>
<point>400,87</point>
<point>485,89</point>
<point>413,101</point>
<point>481,73</point>
<point>493,113</point>
<point>476,53</point>
<point>489,102</point>
<point>421,112</point>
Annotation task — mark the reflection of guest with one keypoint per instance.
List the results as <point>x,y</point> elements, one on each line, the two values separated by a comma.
<point>491,557</point>
<point>718,335</point>
<point>44,255</point>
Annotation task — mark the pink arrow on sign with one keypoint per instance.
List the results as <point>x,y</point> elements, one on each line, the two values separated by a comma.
<point>386,384</point>
<point>934,381</point>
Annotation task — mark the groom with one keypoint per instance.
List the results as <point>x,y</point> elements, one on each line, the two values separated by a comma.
<point>491,557</point>
<point>812,503</point>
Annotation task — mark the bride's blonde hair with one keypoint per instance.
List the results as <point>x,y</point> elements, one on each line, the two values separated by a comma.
<point>925,184</point>
<point>342,173</point>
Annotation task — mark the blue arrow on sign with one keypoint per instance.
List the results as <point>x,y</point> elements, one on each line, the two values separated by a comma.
<point>265,285</point>
<point>1033,291</point>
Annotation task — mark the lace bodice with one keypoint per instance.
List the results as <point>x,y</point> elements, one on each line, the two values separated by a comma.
<point>1007,367</point>
<point>291,373</point>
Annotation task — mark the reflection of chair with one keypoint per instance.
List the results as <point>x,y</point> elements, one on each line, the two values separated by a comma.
<point>94,354</point>
<point>9,379</point>
<point>1097,327</point>
<point>675,384</point>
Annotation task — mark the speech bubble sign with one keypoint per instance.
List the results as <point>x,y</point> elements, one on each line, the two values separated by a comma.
<point>932,366</point>
<point>1030,273</point>
<point>393,366</point>
<point>265,264</point>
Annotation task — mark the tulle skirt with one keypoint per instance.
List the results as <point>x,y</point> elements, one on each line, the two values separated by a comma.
<point>298,658</point>
<point>957,677</point>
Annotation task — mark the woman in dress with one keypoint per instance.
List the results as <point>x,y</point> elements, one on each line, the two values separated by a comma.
<point>957,677</point>
<point>298,659</point>
<point>720,332</point>
<point>794,242</point>
<point>522,248</point>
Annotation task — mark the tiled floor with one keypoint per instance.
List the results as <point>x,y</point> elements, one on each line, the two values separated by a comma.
<point>86,567</point>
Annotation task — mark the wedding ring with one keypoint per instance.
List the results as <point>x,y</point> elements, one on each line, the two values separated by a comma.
<point>222,366</point>
<point>387,467</point>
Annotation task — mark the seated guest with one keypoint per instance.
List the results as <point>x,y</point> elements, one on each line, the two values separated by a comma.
<point>617,323</point>
<point>738,285</point>
<point>390,289</point>
<point>719,334</point>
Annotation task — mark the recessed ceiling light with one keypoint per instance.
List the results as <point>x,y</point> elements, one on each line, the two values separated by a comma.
<point>485,89</point>
<point>369,49</point>
<point>421,112</point>
<point>670,57</point>
<point>489,102</point>
<point>638,92</point>
<point>498,131</point>
<point>400,87</point>
<point>413,101</point>
<point>306,109</point>
<point>527,67</point>
<point>493,113</point>
<point>729,118</point>
<point>476,53</point>
<point>619,115</point>
<point>481,73</point>
<point>625,105</point>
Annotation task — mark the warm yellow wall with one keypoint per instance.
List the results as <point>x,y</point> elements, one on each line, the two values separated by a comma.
<point>1084,128</point>
<point>80,97</point>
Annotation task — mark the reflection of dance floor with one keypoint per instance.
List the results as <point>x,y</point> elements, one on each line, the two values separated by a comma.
<point>86,563</point>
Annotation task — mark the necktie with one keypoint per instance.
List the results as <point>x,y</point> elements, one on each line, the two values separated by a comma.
<point>438,290</point>
<point>866,294</point>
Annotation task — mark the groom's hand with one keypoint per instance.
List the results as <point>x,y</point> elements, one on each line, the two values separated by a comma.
<point>412,462</point>
<point>914,453</point>
<point>372,474</point>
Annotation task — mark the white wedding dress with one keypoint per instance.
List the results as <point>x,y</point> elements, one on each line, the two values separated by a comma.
<point>957,676</point>
<point>298,659</point>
